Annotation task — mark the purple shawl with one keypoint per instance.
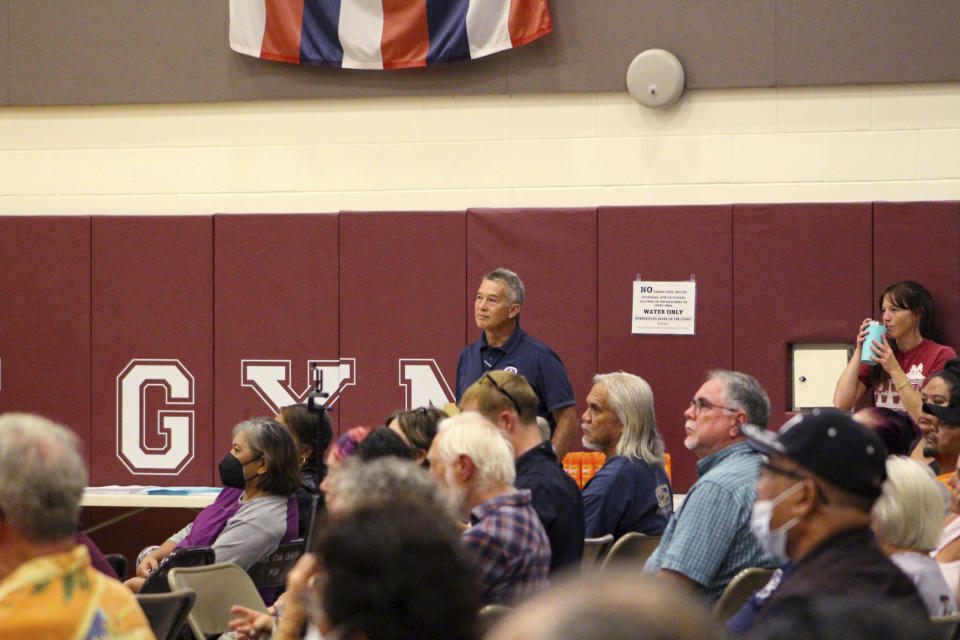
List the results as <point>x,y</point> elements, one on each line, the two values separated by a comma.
<point>211,521</point>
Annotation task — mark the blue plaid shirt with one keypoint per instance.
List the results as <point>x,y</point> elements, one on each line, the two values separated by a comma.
<point>708,539</point>
<point>510,548</point>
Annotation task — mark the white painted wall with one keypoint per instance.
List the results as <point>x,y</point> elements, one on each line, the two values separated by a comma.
<point>856,143</point>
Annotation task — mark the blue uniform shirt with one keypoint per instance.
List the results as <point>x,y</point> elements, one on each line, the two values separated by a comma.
<point>532,359</point>
<point>625,495</point>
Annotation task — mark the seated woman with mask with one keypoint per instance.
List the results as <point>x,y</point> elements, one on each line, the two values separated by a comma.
<point>256,510</point>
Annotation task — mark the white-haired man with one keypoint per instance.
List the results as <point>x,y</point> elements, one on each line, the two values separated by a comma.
<point>473,463</point>
<point>631,492</point>
<point>47,587</point>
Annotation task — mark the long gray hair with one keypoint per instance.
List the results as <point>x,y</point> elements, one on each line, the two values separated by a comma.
<point>631,398</point>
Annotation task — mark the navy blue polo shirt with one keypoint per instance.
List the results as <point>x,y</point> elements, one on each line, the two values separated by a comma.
<point>625,495</point>
<point>532,359</point>
<point>557,501</point>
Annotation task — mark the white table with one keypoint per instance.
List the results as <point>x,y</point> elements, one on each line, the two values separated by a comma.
<point>135,503</point>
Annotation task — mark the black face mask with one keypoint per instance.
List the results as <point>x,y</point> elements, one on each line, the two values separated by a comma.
<point>231,472</point>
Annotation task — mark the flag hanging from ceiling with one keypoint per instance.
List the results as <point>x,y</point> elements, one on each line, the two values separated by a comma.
<point>383,34</point>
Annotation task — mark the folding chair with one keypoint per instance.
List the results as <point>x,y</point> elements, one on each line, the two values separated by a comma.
<point>118,562</point>
<point>594,551</point>
<point>270,574</point>
<point>489,615</point>
<point>166,612</point>
<point>633,547</point>
<point>945,627</point>
<point>156,582</point>
<point>218,587</point>
<point>739,590</point>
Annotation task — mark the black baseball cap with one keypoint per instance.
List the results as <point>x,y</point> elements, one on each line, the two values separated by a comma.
<point>948,414</point>
<point>831,444</point>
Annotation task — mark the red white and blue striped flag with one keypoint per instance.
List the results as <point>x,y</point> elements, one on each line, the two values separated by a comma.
<point>383,34</point>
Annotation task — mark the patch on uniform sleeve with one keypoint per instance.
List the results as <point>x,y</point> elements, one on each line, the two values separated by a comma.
<point>664,500</point>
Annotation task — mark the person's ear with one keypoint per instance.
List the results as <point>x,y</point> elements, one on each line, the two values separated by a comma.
<point>506,422</point>
<point>513,310</point>
<point>464,468</point>
<point>739,419</point>
<point>805,500</point>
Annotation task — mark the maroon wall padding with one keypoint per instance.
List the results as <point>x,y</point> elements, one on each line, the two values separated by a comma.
<point>81,299</point>
<point>554,251</point>
<point>152,300</point>
<point>275,300</point>
<point>84,298</point>
<point>666,243</point>
<point>801,273</point>
<point>401,297</point>
<point>920,241</point>
<point>45,319</point>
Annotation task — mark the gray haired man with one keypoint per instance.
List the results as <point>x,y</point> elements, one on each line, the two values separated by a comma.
<point>47,586</point>
<point>504,345</point>
<point>708,539</point>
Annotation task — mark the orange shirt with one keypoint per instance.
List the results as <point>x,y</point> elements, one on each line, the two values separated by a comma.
<point>60,596</point>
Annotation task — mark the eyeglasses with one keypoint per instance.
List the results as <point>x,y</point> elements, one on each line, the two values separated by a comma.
<point>702,404</point>
<point>496,386</point>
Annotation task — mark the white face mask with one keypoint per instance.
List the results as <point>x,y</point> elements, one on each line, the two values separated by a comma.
<point>773,542</point>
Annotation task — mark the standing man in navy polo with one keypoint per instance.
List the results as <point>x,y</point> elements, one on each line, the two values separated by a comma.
<point>504,345</point>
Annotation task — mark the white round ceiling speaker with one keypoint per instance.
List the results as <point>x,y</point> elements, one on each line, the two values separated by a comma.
<point>655,78</point>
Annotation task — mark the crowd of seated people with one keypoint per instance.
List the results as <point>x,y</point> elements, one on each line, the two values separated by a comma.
<point>425,520</point>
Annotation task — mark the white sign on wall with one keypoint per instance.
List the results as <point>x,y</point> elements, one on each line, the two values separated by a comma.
<point>664,307</point>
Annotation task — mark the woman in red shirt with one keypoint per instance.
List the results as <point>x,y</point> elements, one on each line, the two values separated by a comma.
<point>906,355</point>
